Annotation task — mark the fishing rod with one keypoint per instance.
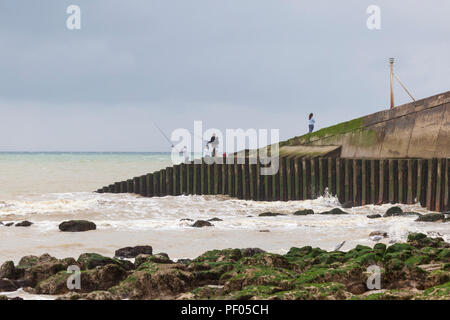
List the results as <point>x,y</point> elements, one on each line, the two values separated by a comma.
<point>164,135</point>
<point>167,138</point>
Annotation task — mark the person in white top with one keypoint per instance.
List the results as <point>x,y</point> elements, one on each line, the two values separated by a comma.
<point>185,155</point>
<point>311,122</point>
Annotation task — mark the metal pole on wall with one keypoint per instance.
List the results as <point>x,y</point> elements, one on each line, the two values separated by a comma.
<point>391,61</point>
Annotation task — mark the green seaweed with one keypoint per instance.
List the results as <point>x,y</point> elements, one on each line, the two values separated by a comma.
<point>339,128</point>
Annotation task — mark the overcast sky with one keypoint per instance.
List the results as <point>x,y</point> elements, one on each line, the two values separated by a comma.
<point>231,63</point>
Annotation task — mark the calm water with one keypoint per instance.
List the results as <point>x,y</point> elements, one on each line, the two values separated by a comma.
<point>57,172</point>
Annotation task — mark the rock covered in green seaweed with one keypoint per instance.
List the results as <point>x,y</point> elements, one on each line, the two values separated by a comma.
<point>417,269</point>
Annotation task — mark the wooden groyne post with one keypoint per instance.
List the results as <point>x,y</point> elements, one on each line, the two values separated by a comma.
<point>359,181</point>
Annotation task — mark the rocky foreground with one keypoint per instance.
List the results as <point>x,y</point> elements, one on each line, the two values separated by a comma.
<point>418,269</point>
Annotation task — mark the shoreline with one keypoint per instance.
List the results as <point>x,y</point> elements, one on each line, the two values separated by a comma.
<point>280,250</point>
<point>170,228</point>
<point>416,269</point>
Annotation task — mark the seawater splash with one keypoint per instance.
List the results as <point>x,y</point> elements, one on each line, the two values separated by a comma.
<point>132,212</point>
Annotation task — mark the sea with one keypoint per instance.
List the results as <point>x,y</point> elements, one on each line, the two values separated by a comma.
<point>48,188</point>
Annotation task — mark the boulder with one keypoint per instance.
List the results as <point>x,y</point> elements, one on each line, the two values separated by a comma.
<point>271,214</point>
<point>140,259</point>
<point>101,278</point>
<point>398,247</point>
<point>303,212</point>
<point>379,248</point>
<point>420,240</point>
<point>23,283</point>
<point>378,233</point>
<point>201,224</point>
<point>347,205</point>
<point>393,211</point>
<point>7,270</point>
<point>412,213</point>
<point>376,238</point>
<point>24,224</point>
<point>7,285</point>
<point>374,216</point>
<point>431,217</point>
<point>28,261</point>
<point>163,283</point>
<point>184,261</point>
<point>250,252</point>
<point>444,255</point>
<point>159,258</point>
<point>88,261</point>
<point>334,211</point>
<point>416,236</point>
<point>437,277</point>
<point>268,260</point>
<point>31,269</point>
<point>215,219</point>
<point>77,226</point>
<point>133,252</point>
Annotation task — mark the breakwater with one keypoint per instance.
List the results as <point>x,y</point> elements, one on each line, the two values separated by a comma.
<point>399,155</point>
<point>358,181</point>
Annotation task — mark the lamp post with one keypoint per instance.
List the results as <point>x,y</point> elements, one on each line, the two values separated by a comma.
<point>391,62</point>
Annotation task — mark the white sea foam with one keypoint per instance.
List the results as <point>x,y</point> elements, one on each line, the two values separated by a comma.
<point>132,212</point>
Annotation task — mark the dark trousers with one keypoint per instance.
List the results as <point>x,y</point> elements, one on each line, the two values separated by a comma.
<point>311,128</point>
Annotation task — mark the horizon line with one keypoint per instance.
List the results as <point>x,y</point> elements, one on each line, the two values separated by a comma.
<point>59,151</point>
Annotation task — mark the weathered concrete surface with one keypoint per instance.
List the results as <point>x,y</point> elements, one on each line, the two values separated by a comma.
<point>311,151</point>
<point>415,130</point>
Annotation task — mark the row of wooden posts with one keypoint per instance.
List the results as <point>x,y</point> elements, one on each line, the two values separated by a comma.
<point>360,181</point>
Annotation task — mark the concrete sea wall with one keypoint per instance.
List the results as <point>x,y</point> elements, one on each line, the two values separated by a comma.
<point>415,130</point>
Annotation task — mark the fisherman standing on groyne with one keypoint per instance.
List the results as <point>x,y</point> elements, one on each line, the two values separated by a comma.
<point>214,141</point>
<point>311,122</point>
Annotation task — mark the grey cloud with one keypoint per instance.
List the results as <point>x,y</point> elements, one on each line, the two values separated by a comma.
<point>253,63</point>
